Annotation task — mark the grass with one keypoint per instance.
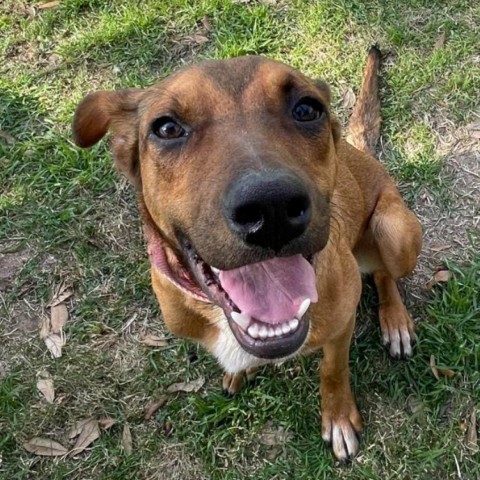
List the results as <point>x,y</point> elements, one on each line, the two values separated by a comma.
<point>73,220</point>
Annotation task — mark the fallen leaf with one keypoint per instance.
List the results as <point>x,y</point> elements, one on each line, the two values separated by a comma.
<point>440,41</point>
<point>167,428</point>
<point>154,407</point>
<point>434,367</point>
<point>45,447</point>
<point>154,341</point>
<point>54,343</point>
<point>45,386</point>
<point>440,276</point>
<point>198,38</point>
<point>78,427</point>
<point>106,422</point>
<point>7,137</point>
<point>440,248</point>
<point>45,327</point>
<point>64,292</point>
<point>89,433</point>
<point>274,435</point>
<point>58,317</point>
<point>440,372</point>
<point>127,440</point>
<point>188,387</point>
<point>349,98</point>
<point>471,436</point>
<point>45,6</point>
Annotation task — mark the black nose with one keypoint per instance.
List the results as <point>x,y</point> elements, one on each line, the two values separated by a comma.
<point>268,209</point>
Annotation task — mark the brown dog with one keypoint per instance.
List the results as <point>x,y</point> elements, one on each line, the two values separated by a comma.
<point>260,218</point>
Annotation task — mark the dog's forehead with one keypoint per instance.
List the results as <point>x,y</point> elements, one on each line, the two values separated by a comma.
<point>220,83</point>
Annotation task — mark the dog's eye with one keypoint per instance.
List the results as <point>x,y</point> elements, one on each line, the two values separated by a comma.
<point>307,110</point>
<point>168,129</point>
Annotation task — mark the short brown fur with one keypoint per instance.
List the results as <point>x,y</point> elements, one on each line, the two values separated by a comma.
<point>243,124</point>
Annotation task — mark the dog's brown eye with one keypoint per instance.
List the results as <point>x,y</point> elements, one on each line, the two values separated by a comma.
<point>308,110</point>
<point>168,129</point>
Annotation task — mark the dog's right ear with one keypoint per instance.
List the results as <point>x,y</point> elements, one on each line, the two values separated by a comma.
<point>100,112</point>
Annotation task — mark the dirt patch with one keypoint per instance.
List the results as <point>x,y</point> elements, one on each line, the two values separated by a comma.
<point>11,265</point>
<point>174,463</point>
<point>451,228</point>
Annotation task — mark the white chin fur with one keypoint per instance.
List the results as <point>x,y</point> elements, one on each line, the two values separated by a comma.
<point>231,356</point>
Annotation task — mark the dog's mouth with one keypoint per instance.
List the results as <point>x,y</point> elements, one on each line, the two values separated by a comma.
<point>265,303</point>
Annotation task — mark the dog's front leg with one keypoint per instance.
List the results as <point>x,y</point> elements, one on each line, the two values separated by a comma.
<point>341,421</point>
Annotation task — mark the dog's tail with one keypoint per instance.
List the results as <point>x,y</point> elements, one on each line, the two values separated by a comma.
<point>363,130</point>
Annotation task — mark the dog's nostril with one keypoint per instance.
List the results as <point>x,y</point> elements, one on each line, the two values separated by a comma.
<point>297,207</point>
<point>248,215</point>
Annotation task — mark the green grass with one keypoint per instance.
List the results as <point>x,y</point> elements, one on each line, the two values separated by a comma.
<point>77,222</point>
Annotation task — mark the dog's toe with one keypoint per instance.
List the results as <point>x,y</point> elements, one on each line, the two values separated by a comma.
<point>232,383</point>
<point>342,436</point>
<point>397,332</point>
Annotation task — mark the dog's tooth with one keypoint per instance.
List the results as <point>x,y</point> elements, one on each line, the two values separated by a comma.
<point>253,330</point>
<point>216,271</point>
<point>241,319</point>
<point>293,324</point>
<point>286,328</point>
<point>303,308</point>
<point>278,331</point>
<point>270,332</point>
<point>263,332</point>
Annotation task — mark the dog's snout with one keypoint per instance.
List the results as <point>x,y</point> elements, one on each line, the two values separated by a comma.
<point>267,209</point>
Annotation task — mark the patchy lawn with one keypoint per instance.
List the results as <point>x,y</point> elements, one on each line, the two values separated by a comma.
<point>67,219</point>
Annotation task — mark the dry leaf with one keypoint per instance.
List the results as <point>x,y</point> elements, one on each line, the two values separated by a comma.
<point>471,436</point>
<point>106,422</point>
<point>45,447</point>
<point>45,6</point>
<point>154,341</point>
<point>349,98</point>
<point>154,407</point>
<point>89,433</point>
<point>58,317</point>
<point>440,372</point>
<point>45,386</point>
<point>207,25</point>
<point>54,343</point>
<point>75,431</point>
<point>188,387</point>
<point>274,436</point>
<point>64,292</point>
<point>440,276</point>
<point>45,327</point>
<point>440,41</point>
<point>198,38</point>
<point>167,428</point>
<point>7,137</point>
<point>127,440</point>
<point>440,248</point>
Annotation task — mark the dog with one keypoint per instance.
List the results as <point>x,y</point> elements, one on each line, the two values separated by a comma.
<point>260,218</point>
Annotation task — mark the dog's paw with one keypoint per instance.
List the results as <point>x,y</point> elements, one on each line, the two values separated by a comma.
<point>233,382</point>
<point>397,330</point>
<point>341,431</point>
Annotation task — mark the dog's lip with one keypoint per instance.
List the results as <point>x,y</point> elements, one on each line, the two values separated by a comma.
<point>275,347</point>
<point>271,348</point>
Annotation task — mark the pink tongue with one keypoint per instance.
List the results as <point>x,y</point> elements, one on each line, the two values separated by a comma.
<point>271,291</point>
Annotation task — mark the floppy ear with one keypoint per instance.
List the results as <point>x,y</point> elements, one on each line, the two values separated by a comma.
<point>327,95</point>
<point>100,112</point>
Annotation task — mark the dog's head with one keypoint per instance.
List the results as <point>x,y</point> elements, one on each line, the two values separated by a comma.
<point>235,164</point>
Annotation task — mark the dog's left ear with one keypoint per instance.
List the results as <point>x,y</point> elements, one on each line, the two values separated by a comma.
<point>327,95</point>
<point>100,112</point>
